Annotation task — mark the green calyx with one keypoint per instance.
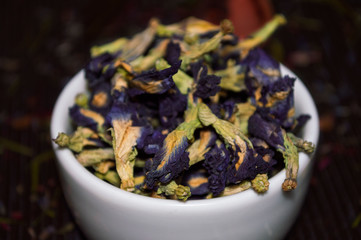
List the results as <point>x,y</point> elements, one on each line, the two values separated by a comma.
<point>173,189</point>
<point>260,183</point>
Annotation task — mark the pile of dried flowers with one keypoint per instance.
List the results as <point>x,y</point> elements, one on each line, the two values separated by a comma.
<point>187,109</point>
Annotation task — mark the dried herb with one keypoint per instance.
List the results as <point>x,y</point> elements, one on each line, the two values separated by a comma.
<point>187,110</point>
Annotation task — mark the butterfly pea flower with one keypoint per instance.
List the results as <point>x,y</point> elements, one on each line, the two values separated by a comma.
<point>153,142</point>
<point>140,42</point>
<point>290,156</point>
<point>260,183</point>
<point>172,53</point>
<point>266,129</point>
<point>206,85</point>
<point>195,51</point>
<point>143,63</point>
<point>154,82</point>
<point>301,144</point>
<point>216,162</point>
<point>275,136</point>
<point>171,107</point>
<point>280,101</point>
<point>264,150</point>
<point>246,165</point>
<point>174,190</point>
<point>78,140</point>
<point>201,146</point>
<point>87,118</point>
<point>90,157</point>
<point>100,100</point>
<point>119,88</point>
<point>94,70</point>
<point>241,115</point>
<point>230,133</point>
<point>181,79</point>
<point>172,158</point>
<point>197,181</point>
<point>232,77</point>
<point>268,89</point>
<point>262,70</point>
<point>124,137</point>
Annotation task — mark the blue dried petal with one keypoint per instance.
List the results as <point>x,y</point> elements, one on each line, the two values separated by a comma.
<point>197,180</point>
<point>207,85</point>
<point>120,96</point>
<point>86,118</point>
<point>247,165</point>
<point>171,107</point>
<point>168,162</point>
<point>216,162</point>
<point>118,112</point>
<point>172,53</point>
<point>154,82</point>
<point>283,84</point>
<point>280,110</point>
<point>228,107</point>
<point>266,129</point>
<point>300,122</point>
<point>141,141</point>
<point>153,142</point>
<point>262,148</point>
<point>263,67</point>
<point>94,70</point>
<point>100,99</point>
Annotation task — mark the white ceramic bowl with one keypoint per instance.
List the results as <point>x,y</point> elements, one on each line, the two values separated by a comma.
<point>106,212</point>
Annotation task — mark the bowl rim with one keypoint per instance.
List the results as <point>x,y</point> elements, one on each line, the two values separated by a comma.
<point>68,162</point>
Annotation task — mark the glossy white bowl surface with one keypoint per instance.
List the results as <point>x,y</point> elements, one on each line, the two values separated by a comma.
<point>106,212</point>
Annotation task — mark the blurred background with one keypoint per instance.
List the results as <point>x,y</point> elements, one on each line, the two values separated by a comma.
<point>44,43</point>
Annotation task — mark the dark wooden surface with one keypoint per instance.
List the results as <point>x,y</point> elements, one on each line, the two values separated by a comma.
<point>44,43</point>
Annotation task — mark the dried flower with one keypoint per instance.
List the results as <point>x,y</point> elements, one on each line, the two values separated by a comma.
<point>216,162</point>
<point>124,140</point>
<point>94,156</point>
<point>260,183</point>
<point>197,181</point>
<point>173,189</point>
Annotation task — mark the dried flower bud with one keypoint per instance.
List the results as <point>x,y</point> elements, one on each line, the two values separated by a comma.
<point>173,189</point>
<point>81,100</point>
<point>301,144</point>
<point>290,155</point>
<point>289,184</point>
<point>78,140</point>
<point>260,183</point>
